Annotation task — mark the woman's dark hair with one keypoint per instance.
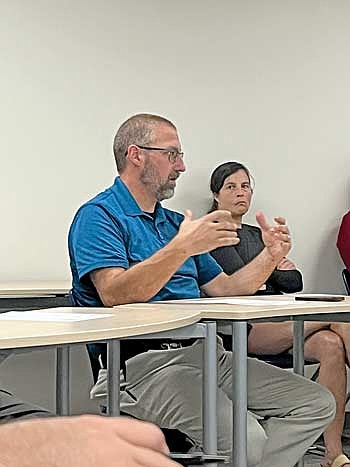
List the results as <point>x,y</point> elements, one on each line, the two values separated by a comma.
<point>219,176</point>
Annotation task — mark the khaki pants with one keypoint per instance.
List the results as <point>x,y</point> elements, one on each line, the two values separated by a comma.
<point>287,413</point>
<point>12,408</point>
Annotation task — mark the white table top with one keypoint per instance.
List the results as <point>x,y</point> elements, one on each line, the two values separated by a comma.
<point>238,312</point>
<point>211,310</point>
<point>34,288</point>
<point>145,318</point>
<point>122,323</point>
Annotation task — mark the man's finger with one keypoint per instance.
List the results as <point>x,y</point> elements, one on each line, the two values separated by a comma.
<point>226,241</point>
<point>219,216</point>
<point>281,228</point>
<point>261,220</point>
<point>228,226</point>
<point>227,234</point>
<point>283,237</point>
<point>280,220</point>
<point>139,433</point>
<point>188,215</point>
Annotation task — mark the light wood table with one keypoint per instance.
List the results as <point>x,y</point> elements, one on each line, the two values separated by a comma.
<point>238,316</point>
<point>29,334</point>
<point>16,334</point>
<point>36,288</point>
<point>27,295</point>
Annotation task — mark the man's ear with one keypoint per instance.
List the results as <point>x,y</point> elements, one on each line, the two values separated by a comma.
<point>135,156</point>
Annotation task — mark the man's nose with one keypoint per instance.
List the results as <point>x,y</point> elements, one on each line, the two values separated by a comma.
<point>180,165</point>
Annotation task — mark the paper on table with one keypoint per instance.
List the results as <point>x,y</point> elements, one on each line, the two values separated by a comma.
<point>242,301</point>
<point>50,316</point>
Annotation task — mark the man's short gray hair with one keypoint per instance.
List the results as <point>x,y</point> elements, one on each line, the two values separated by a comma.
<point>137,129</point>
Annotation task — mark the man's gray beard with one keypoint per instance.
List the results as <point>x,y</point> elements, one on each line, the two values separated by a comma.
<point>165,192</point>
<point>149,177</point>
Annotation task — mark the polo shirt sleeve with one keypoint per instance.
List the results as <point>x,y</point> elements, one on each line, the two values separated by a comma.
<point>207,268</point>
<point>97,241</point>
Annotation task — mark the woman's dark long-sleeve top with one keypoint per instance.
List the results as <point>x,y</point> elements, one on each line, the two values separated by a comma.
<point>232,258</point>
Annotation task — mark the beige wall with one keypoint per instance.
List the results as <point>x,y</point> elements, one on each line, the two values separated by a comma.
<point>262,82</point>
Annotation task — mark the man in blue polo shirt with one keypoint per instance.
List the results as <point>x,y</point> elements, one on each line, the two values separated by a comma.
<point>125,247</point>
<point>119,234</point>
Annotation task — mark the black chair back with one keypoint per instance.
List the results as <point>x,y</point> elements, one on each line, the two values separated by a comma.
<point>346,279</point>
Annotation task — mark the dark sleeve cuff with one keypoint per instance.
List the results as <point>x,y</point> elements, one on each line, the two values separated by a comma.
<point>288,281</point>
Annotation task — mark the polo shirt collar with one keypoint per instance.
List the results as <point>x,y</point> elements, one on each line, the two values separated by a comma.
<point>130,206</point>
<point>160,213</point>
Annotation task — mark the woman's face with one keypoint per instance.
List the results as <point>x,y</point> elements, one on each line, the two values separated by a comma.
<point>235,194</point>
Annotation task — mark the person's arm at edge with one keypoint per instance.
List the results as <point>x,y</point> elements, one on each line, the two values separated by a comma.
<point>86,440</point>
<point>343,240</point>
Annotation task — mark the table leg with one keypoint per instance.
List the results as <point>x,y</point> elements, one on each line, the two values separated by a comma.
<point>298,347</point>
<point>63,380</point>
<point>210,390</point>
<point>298,356</point>
<point>240,393</point>
<point>113,378</point>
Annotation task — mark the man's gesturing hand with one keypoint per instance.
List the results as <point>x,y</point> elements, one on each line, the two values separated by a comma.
<point>208,232</point>
<point>276,237</point>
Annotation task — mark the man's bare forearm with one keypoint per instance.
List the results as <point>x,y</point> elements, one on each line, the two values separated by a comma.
<point>245,281</point>
<point>143,280</point>
<point>249,279</point>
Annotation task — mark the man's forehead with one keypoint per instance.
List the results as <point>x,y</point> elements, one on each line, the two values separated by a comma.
<point>165,132</point>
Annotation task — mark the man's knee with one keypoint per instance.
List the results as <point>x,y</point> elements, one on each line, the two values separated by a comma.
<point>330,346</point>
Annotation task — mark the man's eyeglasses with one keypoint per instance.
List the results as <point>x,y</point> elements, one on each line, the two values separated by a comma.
<point>173,154</point>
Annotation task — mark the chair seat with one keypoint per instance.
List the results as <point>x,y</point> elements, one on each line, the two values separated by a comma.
<point>282,360</point>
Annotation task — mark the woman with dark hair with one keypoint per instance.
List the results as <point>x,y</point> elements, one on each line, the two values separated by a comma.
<point>231,185</point>
<point>327,343</point>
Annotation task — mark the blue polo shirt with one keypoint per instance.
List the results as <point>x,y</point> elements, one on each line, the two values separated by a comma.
<point>111,231</point>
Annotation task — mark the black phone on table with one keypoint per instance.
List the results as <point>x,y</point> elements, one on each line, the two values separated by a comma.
<point>197,458</point>
<point>320,298</point>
